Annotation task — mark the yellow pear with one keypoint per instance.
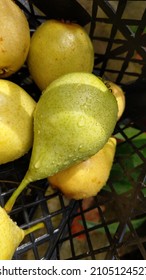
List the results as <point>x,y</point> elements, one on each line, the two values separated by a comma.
<point>11,235</point>
<point>58,48</point>
<point>86,179</point>
<point>119,95</point>
<point>16,121</point>
<point>14,38</point>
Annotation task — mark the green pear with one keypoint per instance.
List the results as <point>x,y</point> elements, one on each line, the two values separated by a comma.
<point>72,121</point>
<point>11,235</point>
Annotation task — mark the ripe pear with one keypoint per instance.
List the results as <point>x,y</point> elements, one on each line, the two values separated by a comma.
<point>120,97</point>
<point>16,121</point>
<point>72,121</point>
<point>58,48</point>
<point>11,235</point>
<point>86,179</point>
<point>14,38</point>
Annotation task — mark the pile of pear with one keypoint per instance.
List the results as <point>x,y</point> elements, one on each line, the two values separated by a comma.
<point>69,129</point>
<point>72,136</point>
<point>87,178</point>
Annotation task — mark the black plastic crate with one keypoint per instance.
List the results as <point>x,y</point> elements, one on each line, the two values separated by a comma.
<point>110,225</point>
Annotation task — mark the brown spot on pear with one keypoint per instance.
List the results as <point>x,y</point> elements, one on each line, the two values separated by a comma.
<point>119,95</point>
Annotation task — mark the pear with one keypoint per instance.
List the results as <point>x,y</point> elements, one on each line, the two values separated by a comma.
<point>16,121</point>
<point>14,38</point>
<point>72,121</point>
<point>87,178</point>
<point>58,48</point>
<point>11,235</point>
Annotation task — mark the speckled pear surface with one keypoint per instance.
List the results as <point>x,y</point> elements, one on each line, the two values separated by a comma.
<point>73,120</point>
<point>87,178</point>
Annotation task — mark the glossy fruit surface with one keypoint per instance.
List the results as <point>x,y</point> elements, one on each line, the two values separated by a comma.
<point>72,122</point>
<point>58,48</point>
<point>14,38</point>
<point>74,118</point>
<point>86,179</point>
<point>16,121</point>
<point>10,236</point>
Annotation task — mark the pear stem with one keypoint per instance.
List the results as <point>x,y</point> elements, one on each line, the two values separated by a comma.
<point>33,228</point>
<point>11,201</point>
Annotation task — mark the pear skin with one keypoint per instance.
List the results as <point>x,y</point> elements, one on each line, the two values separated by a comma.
<point>87,178</point>
<point>72,122</point>
<point>16,121</point>
<point>79,118</point>
<point>14,38</point>
<point>10,236</point>
<point>58,48</point>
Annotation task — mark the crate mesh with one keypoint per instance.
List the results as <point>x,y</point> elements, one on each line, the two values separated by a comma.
<point>110,225</point>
